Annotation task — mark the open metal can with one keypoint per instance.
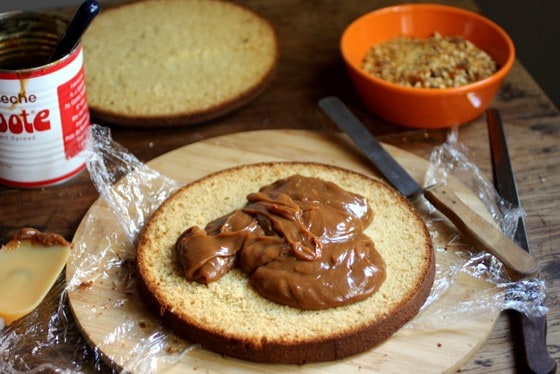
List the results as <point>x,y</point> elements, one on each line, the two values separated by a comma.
<point>44,117</point>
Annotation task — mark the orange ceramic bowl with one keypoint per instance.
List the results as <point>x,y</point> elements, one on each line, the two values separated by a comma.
<point>427,108</point>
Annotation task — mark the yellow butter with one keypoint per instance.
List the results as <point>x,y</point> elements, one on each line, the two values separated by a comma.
<point>27,273</point>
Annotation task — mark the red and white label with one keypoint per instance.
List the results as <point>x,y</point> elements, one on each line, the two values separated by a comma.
<point>74,114</point>
<point>44,123</point>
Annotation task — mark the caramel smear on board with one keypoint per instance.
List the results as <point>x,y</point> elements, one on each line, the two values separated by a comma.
<point>29,266</point>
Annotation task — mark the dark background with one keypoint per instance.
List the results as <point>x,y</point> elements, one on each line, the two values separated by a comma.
<point>534,26</point>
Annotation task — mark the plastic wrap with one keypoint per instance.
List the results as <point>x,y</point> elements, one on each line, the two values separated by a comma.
<point>527,295</point>
<point>132,191</point>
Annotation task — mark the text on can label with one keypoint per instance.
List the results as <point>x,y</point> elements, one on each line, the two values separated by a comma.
<point>25,122</point>
<point>18,99</point>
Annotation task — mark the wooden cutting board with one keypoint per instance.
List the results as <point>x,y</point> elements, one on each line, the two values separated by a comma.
<point>114,319</point>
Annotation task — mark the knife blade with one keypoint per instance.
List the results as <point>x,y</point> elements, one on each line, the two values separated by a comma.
<point>473,228</point>
<point>533,329</point>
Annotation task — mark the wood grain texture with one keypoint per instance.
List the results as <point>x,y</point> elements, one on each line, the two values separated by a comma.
<point>440,348</point>
<point>481,233</point>
<point>310,68</point>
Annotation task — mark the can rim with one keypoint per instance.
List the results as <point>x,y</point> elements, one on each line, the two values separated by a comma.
<point>23,14</point>
<point>43,69</point>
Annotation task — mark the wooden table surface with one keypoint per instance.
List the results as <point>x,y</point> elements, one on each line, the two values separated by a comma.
<point>310,68</point>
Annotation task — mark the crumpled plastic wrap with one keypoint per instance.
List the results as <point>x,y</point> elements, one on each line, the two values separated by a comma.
<point>526,295</point>
<point>132,191</point>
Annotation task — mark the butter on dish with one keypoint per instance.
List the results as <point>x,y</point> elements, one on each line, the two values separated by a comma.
<point>29,266</point>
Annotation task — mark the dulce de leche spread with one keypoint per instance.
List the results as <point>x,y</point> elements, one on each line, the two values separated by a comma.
<point>300,240</point>
<point>30,264</point>
<point>36,237</point>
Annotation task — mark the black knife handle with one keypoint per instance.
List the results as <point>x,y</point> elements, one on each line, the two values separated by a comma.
<point>537,358</point>
<point>532,329</point>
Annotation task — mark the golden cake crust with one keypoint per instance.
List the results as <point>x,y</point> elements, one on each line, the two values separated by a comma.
<point>229,317</point>
<point>208,58</point>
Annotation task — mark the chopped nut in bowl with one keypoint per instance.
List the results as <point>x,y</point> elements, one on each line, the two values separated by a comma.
<point>426,65</point>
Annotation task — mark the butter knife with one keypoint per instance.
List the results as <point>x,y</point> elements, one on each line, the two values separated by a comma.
<point>473,228</point>
<point>533,329</point>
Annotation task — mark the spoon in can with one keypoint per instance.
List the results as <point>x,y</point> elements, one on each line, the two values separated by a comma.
<point>81,21</point>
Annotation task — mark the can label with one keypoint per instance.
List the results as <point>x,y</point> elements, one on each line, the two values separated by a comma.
<point>44,123</point>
